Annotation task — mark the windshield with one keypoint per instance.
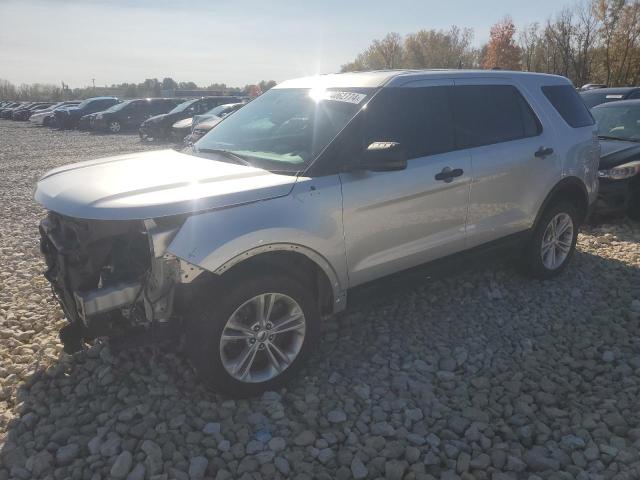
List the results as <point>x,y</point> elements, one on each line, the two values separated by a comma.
<point>119,106</point>
<point>85,102</point>
<point>183,106</point>
<point>285,129</point>
<point>619,121</point>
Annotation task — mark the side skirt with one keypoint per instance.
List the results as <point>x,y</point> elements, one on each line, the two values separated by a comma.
<point>490,253</point>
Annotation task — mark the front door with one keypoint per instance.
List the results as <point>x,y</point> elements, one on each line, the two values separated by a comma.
<point>399,219</point>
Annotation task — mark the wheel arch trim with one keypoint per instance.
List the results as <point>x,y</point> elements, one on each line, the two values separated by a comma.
<point>338,290</point>
<point>565,184</point>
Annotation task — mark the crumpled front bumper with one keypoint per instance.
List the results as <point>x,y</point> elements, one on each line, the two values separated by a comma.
<point>151,130</point>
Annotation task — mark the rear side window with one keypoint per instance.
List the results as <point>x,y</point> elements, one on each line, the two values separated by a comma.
<point>487,114</point>
<point>569,105</point>
<point>419,118</point>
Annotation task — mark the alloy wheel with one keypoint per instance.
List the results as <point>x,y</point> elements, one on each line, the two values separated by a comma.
<point>557,241</point>
<point>262,337</point>
<point>114,127</point>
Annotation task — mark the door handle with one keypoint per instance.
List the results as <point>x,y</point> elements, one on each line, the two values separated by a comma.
<point>543,152</point>
<point>448,174</point>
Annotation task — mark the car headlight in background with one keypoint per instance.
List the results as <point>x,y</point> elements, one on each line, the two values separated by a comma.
<point>99,116</point>
<point>621,172</point>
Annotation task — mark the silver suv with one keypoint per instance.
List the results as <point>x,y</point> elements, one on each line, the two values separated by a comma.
<point>243,243</point>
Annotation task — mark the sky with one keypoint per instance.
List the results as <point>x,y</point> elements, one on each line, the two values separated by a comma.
<point>206,41</point>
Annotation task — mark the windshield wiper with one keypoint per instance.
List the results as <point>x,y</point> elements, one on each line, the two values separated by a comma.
<point>609,137</point>
<point>226,153</point>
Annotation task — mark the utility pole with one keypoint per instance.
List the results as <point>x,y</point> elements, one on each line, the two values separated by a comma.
<point>93,80</point>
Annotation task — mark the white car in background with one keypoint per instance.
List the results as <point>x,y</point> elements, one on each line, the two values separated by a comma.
<point>44,117</point>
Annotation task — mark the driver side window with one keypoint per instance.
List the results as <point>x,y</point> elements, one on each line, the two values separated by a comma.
<point>420,119</point>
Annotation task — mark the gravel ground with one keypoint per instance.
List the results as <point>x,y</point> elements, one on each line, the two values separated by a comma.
<point>485,375</point>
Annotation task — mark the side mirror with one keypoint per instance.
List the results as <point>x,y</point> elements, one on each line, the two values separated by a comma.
<point>383,157</point>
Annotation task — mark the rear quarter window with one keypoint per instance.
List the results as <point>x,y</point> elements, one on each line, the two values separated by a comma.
<point>569,105</point>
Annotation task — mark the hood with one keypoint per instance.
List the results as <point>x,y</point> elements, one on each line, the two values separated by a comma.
<point>184,123</point>
<point>154,184</point>
<point>209,123</point>
<point>163,117</point>
<point>617,152</point>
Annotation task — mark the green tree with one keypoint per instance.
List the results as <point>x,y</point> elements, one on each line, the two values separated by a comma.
<point>169,83</point>
<point>381,54</point>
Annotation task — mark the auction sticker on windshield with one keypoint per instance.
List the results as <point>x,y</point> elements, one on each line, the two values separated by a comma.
<point>349,97</point>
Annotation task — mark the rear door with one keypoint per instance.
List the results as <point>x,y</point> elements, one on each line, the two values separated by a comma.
<point>512,157</point>
<point>400,219</point>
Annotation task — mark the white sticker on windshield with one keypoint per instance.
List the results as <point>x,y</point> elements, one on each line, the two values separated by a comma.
<point>349,97</point>
<point>614,96</point>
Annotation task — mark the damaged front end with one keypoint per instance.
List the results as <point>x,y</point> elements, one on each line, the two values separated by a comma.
<point>113,278</point>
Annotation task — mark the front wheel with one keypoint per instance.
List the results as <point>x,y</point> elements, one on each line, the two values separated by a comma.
<point>114,126</point>
<point>254,335</point>
<point>553,242</point>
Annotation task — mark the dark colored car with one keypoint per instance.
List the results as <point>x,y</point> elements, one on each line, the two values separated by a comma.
<point>8,106</point>
<point>70,117</point>
<point>201,124</point>
<point>592,86</point>
<point>619,169</point>
<point>25,113</point>
<point>8,112</point>
<point>598,96</point>
<point>131,113</point>
<point>159,127</point>
<point>85,121</point>
<point>184,128</point>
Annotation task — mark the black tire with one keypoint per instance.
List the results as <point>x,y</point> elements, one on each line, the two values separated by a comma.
<point>531,262</point>
<point>204,327</point>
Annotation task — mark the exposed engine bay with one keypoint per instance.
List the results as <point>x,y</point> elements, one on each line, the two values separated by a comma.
<point>112,276</point>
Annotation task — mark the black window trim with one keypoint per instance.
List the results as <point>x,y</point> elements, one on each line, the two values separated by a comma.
<point>319,168</point>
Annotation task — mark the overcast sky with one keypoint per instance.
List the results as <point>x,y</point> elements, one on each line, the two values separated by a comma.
<point>236,43</point>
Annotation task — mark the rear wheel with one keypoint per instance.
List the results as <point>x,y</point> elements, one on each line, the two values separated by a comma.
<point>254,335</point>
<point>553,242</point>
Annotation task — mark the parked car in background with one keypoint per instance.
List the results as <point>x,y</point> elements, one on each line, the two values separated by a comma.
<point>8,112</point>
<point>592,86</point>
<point>8,106</point>
<point>24,114</point>
<point>43,117</point>
<point>243,242</point>
<point>201,124</point>
<point>597,96</point>
<point>17,112</point>
<point>69,117</point>
<point>619,170</point>
<point>159,126</point>
<point>131,113</point>
<point>84,123</point>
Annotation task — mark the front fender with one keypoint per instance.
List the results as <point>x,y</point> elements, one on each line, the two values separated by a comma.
<point>307,221</point>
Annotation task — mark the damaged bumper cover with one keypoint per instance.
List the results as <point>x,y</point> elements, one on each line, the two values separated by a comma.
<point>111,276</point>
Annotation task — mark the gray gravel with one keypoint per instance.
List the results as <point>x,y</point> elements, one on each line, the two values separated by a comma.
<point>485,375</point>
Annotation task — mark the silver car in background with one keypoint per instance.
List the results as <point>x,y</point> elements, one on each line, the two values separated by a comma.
<point>44,117</point>
<point>320,185</point>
